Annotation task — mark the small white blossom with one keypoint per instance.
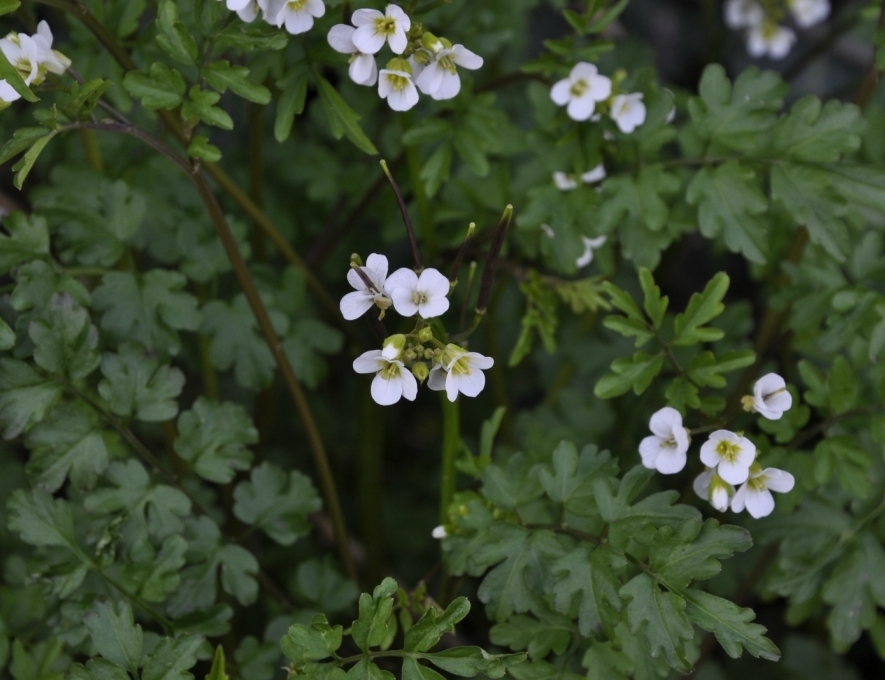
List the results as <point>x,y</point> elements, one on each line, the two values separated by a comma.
<point>354,305</point>
<point>731,455</point>
<point>807,13</point>
<point>247,10</point>
<point>590,245</point>
<point>581,90</point>
<point>373,29</point>
<point>398,89</point>
<point>439,532</point>
<point>713,489</point>
<point>564,181</point>
<point>51,60</point>
<point>597,174</point>
<point>392,379</point>
<point>768,39</point>
<point>743,13</point>
<point>756,496</point>
<point>440,78</point>
<point>665,451</point>
<point>363,69</point>
<point>425,295</point>
<point>628,111</point>
<point>770,397</point>
<point>462,372</point>
<point>25,55</point>
<point>296,15</point>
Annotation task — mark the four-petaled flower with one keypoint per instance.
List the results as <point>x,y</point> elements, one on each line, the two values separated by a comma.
<point>373,29</point>
<point>369,291</point>
<point>755,494</point>
<point>581,90</point>
<point>590,245</point>
<point>363,69</point>
<point>731,455</point>
<point>425,295</point>
<point>712,488</point>
<point>628,111</point>
<point>440,78</point>
<point>297,15</point>
<point>665,450</point>
<point>392,379</point>
<point>397,88</point>
<point>770,397</point>
<point>460,371</point>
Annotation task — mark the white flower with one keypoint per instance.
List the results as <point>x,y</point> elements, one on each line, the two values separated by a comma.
<point>51,60</point>
<point>440,78</point>
<point>439,532</point>
<point>807,13</point>
<point>374,29</point>
<point>597,174</point>
<point>398,89</point>
<point>628,111</point>
<point>770,39</point>
<point>590,244</point>
<point>247,10</point>
<point>25,55</point>
<point>296,15</point>
<point>392,379</point>
<point>770,397</point>
<point>743,13</point>
<point>7,94</point>
<point>354,305</point>
<point>462,372</point>
<point>732,454</point>
<point>363,69</point>
<point>564,181</point>
<point>665,450</point>
<point>581,90</point>
<point>425,295</point>
<point>712,488</point>
<point>756,496</point>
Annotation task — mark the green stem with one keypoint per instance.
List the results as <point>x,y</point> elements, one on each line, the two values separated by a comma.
<point>371,486</point>
<point>451,446</point>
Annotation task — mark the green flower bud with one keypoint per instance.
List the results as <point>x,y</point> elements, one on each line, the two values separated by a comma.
<point>355,259</point>
<point>425,334</point>
<point>393,347</point>
<point>431,42</point>
<point>420,371</point>
<point>399,64</point>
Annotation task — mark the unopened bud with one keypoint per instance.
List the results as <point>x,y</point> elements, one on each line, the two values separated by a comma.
<point>446,43</point>
<point>356,260</point>
<point>399,64</point>
<point>747,402</point>
<point>425,334</point>
<point>393,346</point>
<point>420,371</point>
<point>431,42</point>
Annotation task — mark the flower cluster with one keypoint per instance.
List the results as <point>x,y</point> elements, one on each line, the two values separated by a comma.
<point>33,57</point>
<point>587,94</point>
<point>422,61</point>
<point>730,458</point>
<point>402,362</point>
<point>297,16</point>
<point>765,35</point>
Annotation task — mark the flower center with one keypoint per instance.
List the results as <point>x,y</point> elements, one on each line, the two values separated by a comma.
<point>757,483</point>
<point>728,451</point>
<point>397,82</point>
<point>296,5</point>
<point>447,63</point>
<point>670,443</point>
<point>384,26</point>
<point>461,367</point>
<point>579,88</point>
<point>390,371</point>
<point>419,298</point>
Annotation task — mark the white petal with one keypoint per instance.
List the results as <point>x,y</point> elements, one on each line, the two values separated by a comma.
<point>768,384</point>
<point>665,422</point>
<point>597,174</point>
<point>782,401</point>
<point>316,7</point>
<point>701,484</point>
<point>563,182</point>
<point>470,384</point>
<point>356,280</point>
<point>433,308</point>
<point>409,384</point>
<point>354,305</point>
<point>367,40</point>
<point>719,498</point>
<point>477,360</point>
<point>363,17</point>
<point>581,108</point>
<point>778,480</point>
<point>429,80</point>
<point>561,92</point>
<point>747,453</point>
<point>451,387</point>
<point>398,41</point>
<point>403,100</point>
<point>600,88</point>
<point>7,92</point>
<point>437,379</point>
<point>403,302</point>
<point>671,461</point>
<point>378,266</point>
<point>369,362</point>
<point>439,532</point>
<point>759,503</point>
<point>386,392</point>
<point>299,22</point>
<point>465,58</point>
<point>363,70</point>
<point>402,19</point>
<point>433,284</point>
<point>583,70</point>
<point>709,456</point>
<point>739,502</point>
<point>449,87</point>
<point>341,38</point>
<point>733,473</point>
<point>649,449</point>
<point>45,32</point>
<point>402,278</point>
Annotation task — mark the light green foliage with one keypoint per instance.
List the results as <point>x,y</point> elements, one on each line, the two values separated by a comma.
<point>213,438</point>
<point>276,503</point>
